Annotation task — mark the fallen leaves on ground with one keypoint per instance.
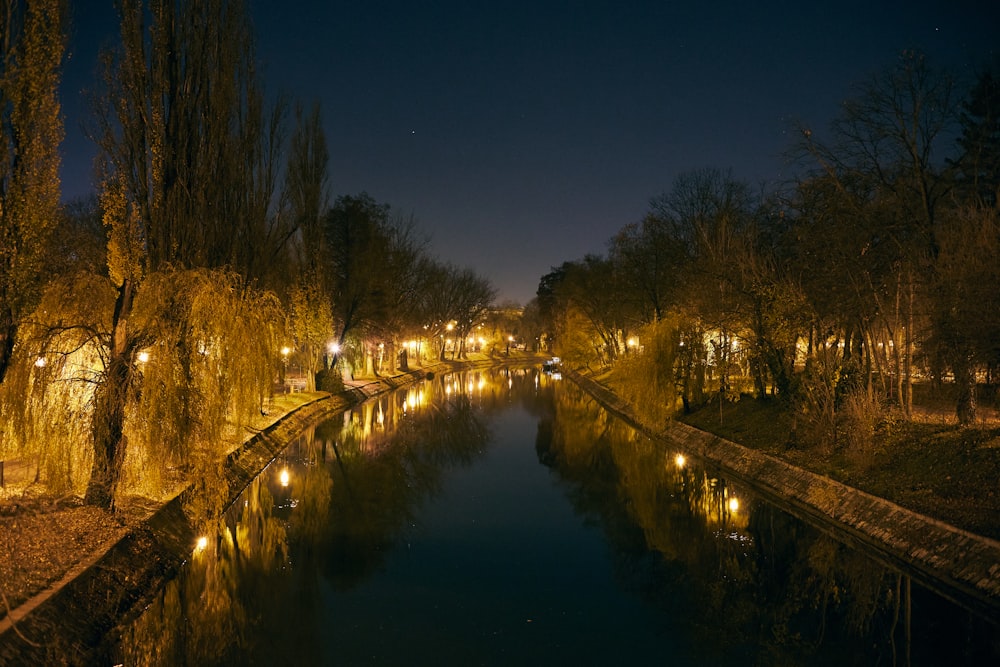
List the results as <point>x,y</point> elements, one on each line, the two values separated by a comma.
<point>41,539</point>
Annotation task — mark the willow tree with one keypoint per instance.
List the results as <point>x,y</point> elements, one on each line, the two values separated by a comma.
<point>205,340</point>
<point>187,178</point>
<point>32,43</point>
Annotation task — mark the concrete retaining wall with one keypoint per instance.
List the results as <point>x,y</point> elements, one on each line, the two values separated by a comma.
<point>957,564</point>
<point>63,624</point>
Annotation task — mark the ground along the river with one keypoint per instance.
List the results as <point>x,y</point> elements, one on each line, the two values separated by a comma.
<point>504,518</point>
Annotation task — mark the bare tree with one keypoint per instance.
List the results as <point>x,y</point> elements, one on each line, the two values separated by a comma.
<point>978,164</point>
<point>881,170</point>
<point>306,189</point>
<point>712,214</point>
<point>305,202</point>
<point>453,301</point>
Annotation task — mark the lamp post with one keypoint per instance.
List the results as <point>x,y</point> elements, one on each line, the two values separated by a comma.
<point>285,351</point>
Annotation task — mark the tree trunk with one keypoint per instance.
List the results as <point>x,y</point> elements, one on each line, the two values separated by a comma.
<point>392,356</point>
<point>965,385</point>
<point>908,352</point>
<point>107,428</point>
<point>8,334</point>
<point>110,400</point>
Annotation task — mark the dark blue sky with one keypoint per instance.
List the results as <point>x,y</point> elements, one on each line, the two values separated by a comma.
<point>523,134</point>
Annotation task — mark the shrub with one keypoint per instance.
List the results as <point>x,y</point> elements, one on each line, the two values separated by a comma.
<point>329,380</point>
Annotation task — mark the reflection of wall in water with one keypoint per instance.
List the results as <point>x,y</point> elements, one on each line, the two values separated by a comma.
<point>749,569</point>
<point>203,614</point>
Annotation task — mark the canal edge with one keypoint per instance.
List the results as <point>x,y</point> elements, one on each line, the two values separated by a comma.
<point>957,564</point>
<point>162,542</point>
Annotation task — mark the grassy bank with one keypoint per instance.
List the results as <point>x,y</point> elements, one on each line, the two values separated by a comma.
<point>928,465</point>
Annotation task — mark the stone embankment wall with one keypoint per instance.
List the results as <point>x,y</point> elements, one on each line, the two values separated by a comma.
<point>959,565</point>
<point>73,615</point>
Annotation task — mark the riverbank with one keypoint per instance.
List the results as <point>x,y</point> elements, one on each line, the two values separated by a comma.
<point>61,560</point>
<point>959,564</point>
<point>63,546</point>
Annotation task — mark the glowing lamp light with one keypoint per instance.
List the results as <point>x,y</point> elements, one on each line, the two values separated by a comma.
<point>285,351</point>
<point>680,460</point>
<point>283,477</point>
<point>333,348</point>
<point>40,362</point>
<point>734,504</point>
<point>143,357</point>
<point>201,544</point>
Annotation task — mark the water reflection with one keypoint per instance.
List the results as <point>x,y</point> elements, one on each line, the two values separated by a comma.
<point>341,494</point>
<point>204,615</point>
<point>724,577</point>
<point>751,582</point>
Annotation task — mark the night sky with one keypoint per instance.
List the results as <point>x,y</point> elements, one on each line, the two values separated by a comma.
<point>524,134</point>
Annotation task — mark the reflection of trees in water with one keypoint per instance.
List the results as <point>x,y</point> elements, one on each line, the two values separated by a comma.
<point>345,490</point>
<point>686,541</point>
<point>371,470</point>
<point>202,616</point>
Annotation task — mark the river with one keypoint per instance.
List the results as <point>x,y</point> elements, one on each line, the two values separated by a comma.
<point>502,517</point>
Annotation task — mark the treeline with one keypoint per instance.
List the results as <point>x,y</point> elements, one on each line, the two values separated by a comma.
<point>878,267</point>
<point>143,328</point>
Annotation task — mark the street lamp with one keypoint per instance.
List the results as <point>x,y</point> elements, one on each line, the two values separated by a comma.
<point>285,351</point>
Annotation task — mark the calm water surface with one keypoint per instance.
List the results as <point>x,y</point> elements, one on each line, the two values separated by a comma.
<point>503,518</point>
